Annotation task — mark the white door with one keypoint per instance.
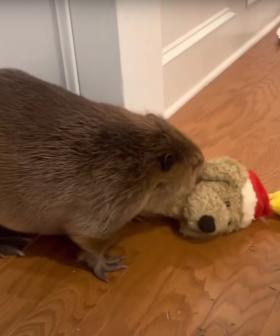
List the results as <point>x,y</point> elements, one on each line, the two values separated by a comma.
<point>73,43</point>
<point>29,38</point>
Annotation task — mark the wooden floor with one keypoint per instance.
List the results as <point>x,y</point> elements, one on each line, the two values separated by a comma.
<point>226,286</point>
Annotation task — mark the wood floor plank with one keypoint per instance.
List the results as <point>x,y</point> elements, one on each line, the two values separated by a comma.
<point>173,287</point>
<point>56,292</point>
<point>190,288</point>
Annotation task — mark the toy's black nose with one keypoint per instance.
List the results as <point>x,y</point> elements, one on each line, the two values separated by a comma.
<point>206,224</point>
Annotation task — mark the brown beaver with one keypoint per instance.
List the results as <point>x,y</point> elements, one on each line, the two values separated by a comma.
<point>84,169</point>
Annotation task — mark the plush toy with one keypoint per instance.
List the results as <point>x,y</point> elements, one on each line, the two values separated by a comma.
<point>228,198</point>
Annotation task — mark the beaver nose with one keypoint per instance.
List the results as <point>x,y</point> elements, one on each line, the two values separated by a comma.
<point>206,224</point>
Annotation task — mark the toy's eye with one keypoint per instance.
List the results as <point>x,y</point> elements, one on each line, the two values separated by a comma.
<point>227,203</point>
<point>229,223</point>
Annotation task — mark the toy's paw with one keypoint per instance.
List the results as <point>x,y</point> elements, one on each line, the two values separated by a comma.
<point>103,265</point>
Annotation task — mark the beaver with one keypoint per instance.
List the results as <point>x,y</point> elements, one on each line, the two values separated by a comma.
<point>83,169</point>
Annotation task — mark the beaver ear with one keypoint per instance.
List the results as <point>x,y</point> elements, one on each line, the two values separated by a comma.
<point>167,161</point>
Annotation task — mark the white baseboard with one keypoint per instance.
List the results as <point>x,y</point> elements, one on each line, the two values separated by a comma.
<point>219,69</point>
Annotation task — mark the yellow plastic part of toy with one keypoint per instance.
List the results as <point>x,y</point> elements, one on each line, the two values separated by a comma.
<point>274,199</point>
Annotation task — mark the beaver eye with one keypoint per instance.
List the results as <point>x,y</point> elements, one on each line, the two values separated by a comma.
<point>227,203</point>
<point>167,161</point>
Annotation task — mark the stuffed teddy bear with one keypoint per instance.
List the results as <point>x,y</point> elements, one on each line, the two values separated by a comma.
<point>228,198</point>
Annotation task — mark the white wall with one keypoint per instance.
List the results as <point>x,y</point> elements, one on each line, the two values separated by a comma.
<point>139,28</point>
<point>172,49</point>
<point>180,16</point>
<point>210,42</point>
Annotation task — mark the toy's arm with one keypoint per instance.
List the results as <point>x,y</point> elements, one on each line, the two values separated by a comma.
<point>274,200</point>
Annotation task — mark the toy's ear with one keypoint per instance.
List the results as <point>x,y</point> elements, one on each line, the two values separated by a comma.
<point>225,170</point>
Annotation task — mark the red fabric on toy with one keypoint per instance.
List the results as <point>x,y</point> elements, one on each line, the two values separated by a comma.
<point>263,207</point>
